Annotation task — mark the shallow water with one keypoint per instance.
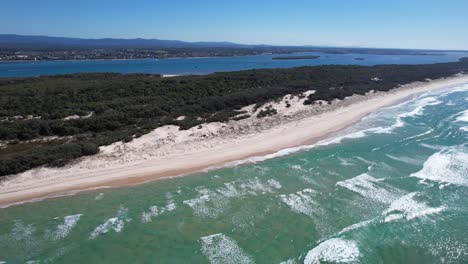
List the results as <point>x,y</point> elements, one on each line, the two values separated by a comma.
<point>210,65</point>
<point>391,189</point>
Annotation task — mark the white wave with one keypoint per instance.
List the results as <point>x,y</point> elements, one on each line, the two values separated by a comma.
<point>275,184</point>
<point>418,110</point>
<point>461,88</point>
<point>407,207</point>
<point>368,162</point>
<point>99,196</point>
<point>62,230</point>
<point>301,202</point>
<point>435,147</point>
<point>353,135</point>
<point>116,223</point>
<point>354,226</point>
<point>449,165</point>
<point>297,167</point>
<point>345,162</point>
<point>334,250</point>
<point>465,128</point>
<point>155,211</point>
<point>22,231</point>
<point>462,116</point>
<point>404,159</point>
<point>211,203</point>
<point>208,204</point>
<point>367,186</point>
<point>287,151</point>
<point>419,135</point>
<point>249,187</point>
<point>389,129</point>
<point>222,249</point>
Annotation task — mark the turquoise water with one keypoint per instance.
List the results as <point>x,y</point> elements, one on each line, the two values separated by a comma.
<point>392,189</point>
<point>209,65</point>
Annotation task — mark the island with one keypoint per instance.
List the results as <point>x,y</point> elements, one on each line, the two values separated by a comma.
<point>305,57</point>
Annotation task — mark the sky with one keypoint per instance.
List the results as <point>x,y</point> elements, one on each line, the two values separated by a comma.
<point>429,24</point>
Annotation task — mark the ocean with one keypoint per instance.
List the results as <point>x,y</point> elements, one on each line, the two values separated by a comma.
<point>180,66</point>
<point>391,189</point>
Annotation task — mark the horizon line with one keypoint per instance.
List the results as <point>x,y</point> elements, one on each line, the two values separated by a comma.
<point>236,43</point>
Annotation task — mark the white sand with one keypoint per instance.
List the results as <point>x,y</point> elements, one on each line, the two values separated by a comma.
<point>167,152</point>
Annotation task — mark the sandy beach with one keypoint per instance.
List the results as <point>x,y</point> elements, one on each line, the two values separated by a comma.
<point>168,152</point>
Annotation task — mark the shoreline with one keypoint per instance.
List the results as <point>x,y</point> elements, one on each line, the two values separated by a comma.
<point>167,153</point>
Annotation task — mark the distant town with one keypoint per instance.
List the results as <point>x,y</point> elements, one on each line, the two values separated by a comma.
<point>12,54</point>
<point>93,54</point>
<point>37,48</point>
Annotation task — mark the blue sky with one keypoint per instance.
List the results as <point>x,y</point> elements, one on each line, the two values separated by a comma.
<point>370,23</point>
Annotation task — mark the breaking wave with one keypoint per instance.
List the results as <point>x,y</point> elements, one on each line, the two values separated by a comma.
<point>69,222</point>
<point>211,203</point>
<point>367,186</point>
<point>334,250</point>
<point>116,223</point>
<point>222,249</point>
<point>301,202</point>
<point>449,165</point>
<point>462,116</point>
<point>407,207</point>
<point>420,104</point>
<point>155,211</point>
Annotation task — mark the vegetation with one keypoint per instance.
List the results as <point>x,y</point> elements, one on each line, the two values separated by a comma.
<point>295,57</point>
<point>116,107</point>
<point>268,111</point>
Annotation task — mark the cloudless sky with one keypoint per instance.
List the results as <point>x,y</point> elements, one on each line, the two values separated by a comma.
<point>437,24</point>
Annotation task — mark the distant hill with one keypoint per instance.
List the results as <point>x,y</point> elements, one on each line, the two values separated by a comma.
<point>35,42</point>
<point>23,42</point>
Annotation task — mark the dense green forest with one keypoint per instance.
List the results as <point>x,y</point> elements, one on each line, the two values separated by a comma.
<point>128,106</point>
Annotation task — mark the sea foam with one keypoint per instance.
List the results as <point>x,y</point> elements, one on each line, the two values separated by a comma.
<point>219,248</point>
<point>462,116</point>
<point>449,165</point>
<point>420,105</point>
<point>211,203</point>
<point>155,211</point>
<point>367,186</point>
<point>301,202</point>
<point>116,223</point>
<point>407,207</point>
<point>334,250</point>
<point>22,231</point>
<point>62,230</point>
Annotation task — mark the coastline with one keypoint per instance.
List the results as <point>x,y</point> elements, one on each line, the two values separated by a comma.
<point>167,152</point>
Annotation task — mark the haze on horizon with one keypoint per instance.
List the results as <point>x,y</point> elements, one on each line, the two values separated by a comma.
<point>365,23</point>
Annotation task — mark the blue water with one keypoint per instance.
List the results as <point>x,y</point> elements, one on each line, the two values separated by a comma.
<point>209,65</point>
